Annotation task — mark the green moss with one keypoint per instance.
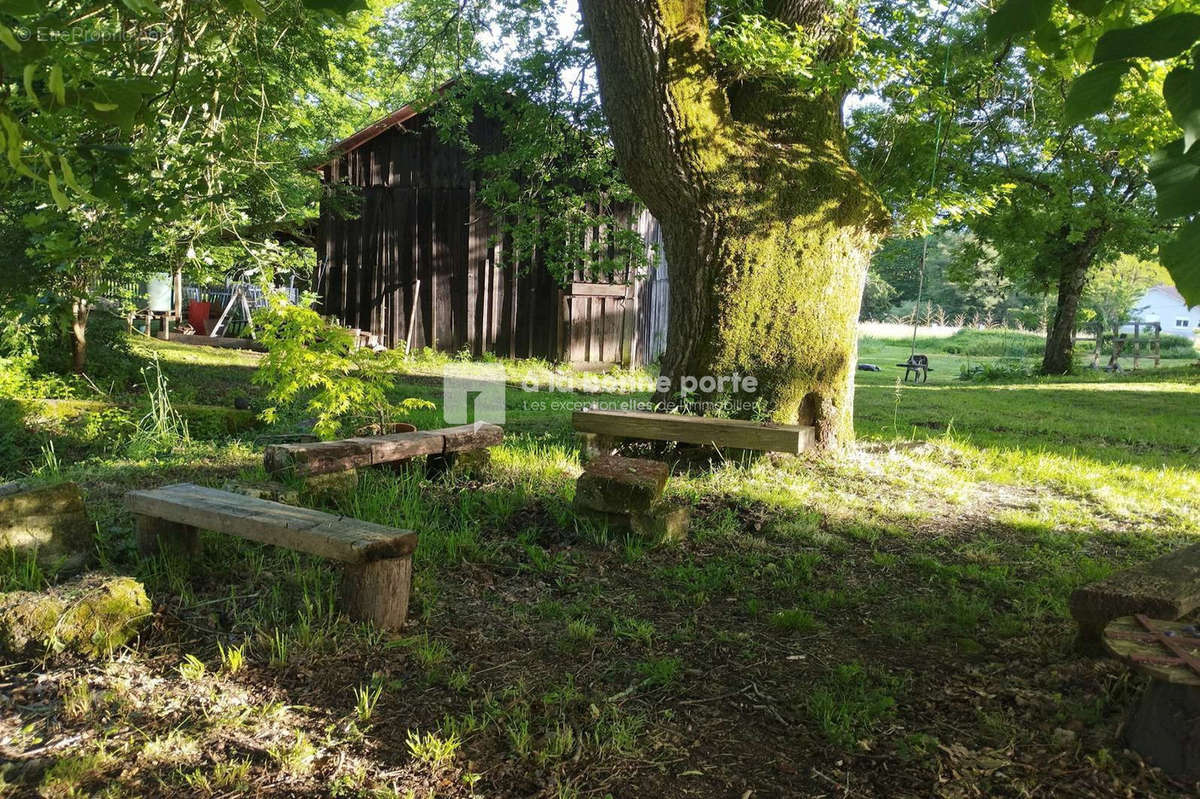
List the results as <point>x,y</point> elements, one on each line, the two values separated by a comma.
<point>800,230</point>
<point>779,240</point>
<point>92,616</point>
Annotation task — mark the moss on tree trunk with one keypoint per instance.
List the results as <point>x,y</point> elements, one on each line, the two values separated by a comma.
<point>766,226</point>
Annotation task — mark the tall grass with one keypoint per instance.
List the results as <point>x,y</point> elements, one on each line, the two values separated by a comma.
<point>162,428</point>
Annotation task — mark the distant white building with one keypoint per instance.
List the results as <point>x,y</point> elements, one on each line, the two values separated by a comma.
<point>1165,305</point>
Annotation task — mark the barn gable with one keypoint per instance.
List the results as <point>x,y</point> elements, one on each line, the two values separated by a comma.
<point>426,265</point>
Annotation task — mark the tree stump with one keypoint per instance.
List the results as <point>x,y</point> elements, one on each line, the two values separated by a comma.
<point>378,591</point>
<point>1164,727</point>
<point>49,523</point>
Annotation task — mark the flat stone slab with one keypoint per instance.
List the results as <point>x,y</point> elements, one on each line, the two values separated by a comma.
<point>613,484</point>
<point>50,520</point>
<point>1164,588</point>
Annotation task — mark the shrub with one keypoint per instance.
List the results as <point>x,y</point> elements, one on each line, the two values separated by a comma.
<point>310,359</point>
<point>1171,346</point>
<point>992,343</point>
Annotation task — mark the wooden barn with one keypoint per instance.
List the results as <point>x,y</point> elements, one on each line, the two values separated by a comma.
<point>424,264</point>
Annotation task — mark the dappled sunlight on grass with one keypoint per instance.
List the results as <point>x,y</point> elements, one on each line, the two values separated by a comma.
<point>899,610</point>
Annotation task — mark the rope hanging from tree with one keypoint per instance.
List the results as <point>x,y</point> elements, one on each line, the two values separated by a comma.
<point>937,154</point>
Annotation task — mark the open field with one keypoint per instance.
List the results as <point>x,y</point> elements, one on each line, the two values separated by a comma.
<point>892,623</point>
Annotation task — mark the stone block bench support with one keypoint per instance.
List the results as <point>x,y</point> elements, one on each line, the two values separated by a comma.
<point>377,559</point>
<point>627,493</point>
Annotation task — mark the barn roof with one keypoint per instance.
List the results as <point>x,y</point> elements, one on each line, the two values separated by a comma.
<point>379,126</point>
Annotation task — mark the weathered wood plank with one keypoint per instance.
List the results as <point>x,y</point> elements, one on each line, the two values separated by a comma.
<point>302,529</point>
<point>402,446</point>
<point>222,342</point>
<point>736,433</point>
<point>471,436</point>
<point>354,453</point>
<point>318,458</point>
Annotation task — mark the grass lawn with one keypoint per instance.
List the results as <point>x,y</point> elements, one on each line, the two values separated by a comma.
<point>889,623</point>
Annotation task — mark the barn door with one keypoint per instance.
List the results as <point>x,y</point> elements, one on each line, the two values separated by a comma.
<point>595,325</point>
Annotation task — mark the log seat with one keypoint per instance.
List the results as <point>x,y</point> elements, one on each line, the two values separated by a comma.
<point>308,459</point>
<point>377,559</point>
<point>1165,588</point>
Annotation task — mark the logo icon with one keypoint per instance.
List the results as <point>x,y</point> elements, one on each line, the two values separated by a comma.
<point>473,392</point>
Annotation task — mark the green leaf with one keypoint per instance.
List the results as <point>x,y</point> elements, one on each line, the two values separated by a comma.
<point>120,101</point>
<point>342,7</point>
<point>1176,178</point>
<point>58,86</point>
<point>60,199</point>
<point>69,177</point>
<point>1181,91</point>
<point>1016,17</point>
<point>13,148</point>
<point>1094,90</point>
<point>22,8</point>
<point>142,7</point>
<point>1091,8</point>
<point>1181,257</point>
<point>10,41</point>
<point>28,73</point>
<point>254,8</point>
<point>1160,38</point>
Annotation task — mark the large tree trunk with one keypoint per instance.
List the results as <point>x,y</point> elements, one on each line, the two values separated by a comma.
<point>1073,263</point>
<point>767,227</point>
<point>79,319</point>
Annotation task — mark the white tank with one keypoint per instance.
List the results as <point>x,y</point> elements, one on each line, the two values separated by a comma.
<point>158,287</point>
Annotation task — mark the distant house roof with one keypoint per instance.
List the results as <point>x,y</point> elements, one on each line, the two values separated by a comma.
<point>1169,290</point>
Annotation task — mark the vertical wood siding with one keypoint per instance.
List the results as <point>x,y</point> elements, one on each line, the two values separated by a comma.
<point>423,237</point>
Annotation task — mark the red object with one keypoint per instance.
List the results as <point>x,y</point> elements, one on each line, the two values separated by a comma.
<point>198,316</point>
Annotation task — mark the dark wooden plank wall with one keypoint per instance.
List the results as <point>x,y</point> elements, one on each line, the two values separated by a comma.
<point>420,221</point>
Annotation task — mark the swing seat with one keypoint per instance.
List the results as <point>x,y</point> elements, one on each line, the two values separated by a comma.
<point>918,367</point>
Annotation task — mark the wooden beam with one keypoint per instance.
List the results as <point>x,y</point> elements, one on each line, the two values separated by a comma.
<point>323,457</point>
<point>471,436</point>
<point>735,433</point>
<point>301,529</point>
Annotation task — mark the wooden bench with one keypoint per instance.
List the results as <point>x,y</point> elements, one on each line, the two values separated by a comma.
<point>1164,588</point>
<point>600,430</point>
<point>326,457</point>
<point>378,559</point>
